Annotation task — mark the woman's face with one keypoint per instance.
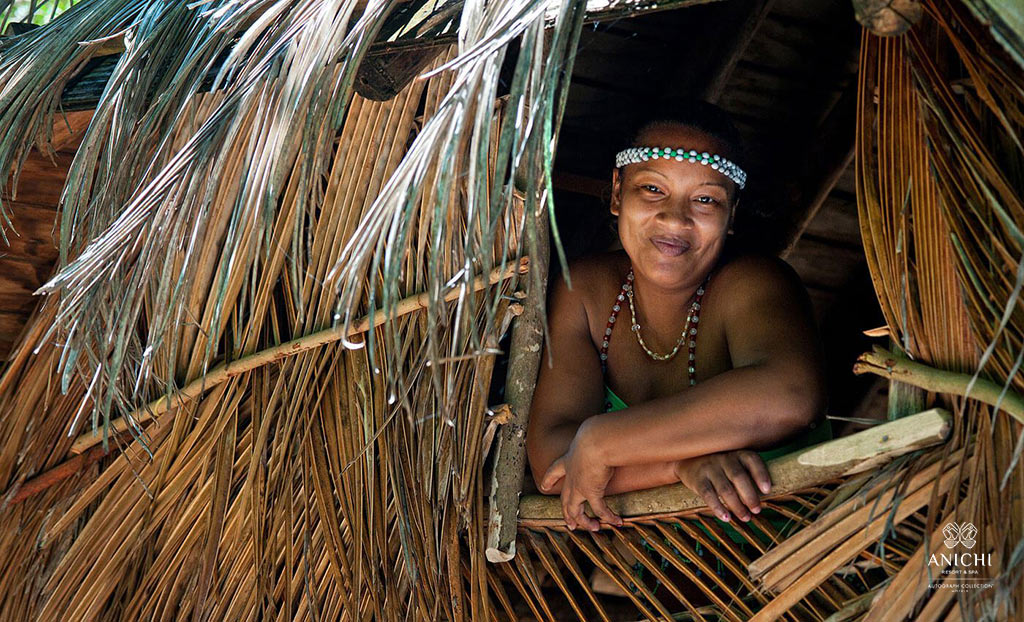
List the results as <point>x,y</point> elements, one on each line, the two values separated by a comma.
<point>673,216</point>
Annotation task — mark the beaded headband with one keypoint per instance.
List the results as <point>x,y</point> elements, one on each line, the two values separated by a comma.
<point>717,162</point>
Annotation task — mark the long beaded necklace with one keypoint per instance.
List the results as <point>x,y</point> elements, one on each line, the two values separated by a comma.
<point>689,330</point>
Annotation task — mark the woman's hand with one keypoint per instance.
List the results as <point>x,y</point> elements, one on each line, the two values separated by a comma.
<point>727,476</point>
<point>585,479</point>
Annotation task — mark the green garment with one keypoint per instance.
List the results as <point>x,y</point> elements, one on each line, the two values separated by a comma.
<point>818,434</point>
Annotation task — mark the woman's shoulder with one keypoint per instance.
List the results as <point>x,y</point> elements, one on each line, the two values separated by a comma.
<point>756,271</point>
<point>593,281</point>
<point>759,286</point>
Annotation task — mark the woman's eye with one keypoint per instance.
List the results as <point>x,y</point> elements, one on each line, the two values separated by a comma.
<point>706,200</point>
<point>650,188</point>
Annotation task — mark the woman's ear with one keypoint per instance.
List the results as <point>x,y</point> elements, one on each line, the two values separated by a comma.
<point>616,191</point>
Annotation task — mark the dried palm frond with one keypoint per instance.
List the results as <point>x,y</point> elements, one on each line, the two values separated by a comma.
<point>939,176</point>
<point>201,227</point>
<point>345,482</point>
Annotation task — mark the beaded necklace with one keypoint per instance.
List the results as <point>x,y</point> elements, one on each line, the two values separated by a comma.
<point>689,330</point>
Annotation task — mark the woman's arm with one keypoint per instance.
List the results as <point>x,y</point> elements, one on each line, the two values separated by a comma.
<point>775,389</point>
<point>571,389</point>
<point>569,384</point>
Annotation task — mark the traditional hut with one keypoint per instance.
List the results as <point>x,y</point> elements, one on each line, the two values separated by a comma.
<point>273,299</point>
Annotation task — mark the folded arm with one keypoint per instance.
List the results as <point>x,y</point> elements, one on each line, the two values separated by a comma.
<point>775,389</point>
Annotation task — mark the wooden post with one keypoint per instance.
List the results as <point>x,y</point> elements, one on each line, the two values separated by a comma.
<point>523,365</point>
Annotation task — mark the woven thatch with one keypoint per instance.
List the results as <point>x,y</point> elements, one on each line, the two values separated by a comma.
<point>339,476</point>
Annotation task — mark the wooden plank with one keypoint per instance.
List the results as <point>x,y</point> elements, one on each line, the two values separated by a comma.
<point>69,129</point>
<point>837,220</point>
<point>11,325</point>
<point>822,264</point>
<point>40,182</point>
<point>581,184</point>
<point>18,280</point>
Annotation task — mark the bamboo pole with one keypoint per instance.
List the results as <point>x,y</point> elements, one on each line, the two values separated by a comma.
<point>886,364</point>
<point>225,372</point>
<point>85,448</point>
<point>823,462</point>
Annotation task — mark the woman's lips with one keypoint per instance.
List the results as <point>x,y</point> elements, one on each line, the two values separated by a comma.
<point>670,246</point>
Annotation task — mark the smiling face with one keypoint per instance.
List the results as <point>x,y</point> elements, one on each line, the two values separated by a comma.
<point>673,216</point>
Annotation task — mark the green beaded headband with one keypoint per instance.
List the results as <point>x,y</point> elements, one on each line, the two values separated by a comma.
<point>717,162</point>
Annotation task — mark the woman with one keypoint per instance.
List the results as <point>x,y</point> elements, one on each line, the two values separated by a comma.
<point>630,401</point>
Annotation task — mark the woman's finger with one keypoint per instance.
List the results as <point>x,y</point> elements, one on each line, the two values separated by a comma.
<point>707,492</point>
<point>603,512</point>
<point>566,510</point>
<point>554,473</point>
<point>727,493</point>
<point>566,513</point>
<point>744,485</point>
<point>578,516</point>
<point>758,469</point>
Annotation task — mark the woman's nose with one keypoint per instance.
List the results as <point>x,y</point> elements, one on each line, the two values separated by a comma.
<point>678,214</point>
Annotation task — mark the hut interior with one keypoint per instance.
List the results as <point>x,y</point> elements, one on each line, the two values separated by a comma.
<point>792,74</point>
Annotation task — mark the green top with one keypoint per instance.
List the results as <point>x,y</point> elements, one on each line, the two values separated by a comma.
<point>817,434</point>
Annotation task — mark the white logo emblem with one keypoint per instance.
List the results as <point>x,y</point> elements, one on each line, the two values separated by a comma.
<point>964,534</point>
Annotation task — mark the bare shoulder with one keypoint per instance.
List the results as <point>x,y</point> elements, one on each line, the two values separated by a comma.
<point>594,282</point>
<point>758,275</point>
<point>592,276</point>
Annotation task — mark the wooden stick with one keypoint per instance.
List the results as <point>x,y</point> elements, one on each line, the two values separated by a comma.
<point>225,372</point>
<point>56,475</point>
<point>521,378</point>
<point>886,364</point>
<point>823,462</point>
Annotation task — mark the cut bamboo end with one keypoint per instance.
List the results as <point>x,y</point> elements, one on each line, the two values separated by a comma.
<point>808,467</point>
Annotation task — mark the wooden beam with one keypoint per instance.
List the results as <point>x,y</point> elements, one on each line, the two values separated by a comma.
<point>829,153</point>
<point>741,40</point>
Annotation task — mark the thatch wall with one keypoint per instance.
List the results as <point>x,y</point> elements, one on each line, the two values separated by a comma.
<point>318,283</point>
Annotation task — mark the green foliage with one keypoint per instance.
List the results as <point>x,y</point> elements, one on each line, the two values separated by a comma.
<point>36,12</point>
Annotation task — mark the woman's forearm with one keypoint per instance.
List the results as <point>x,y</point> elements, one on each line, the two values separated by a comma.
<point>750,407</point>
<point>555,442</point>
